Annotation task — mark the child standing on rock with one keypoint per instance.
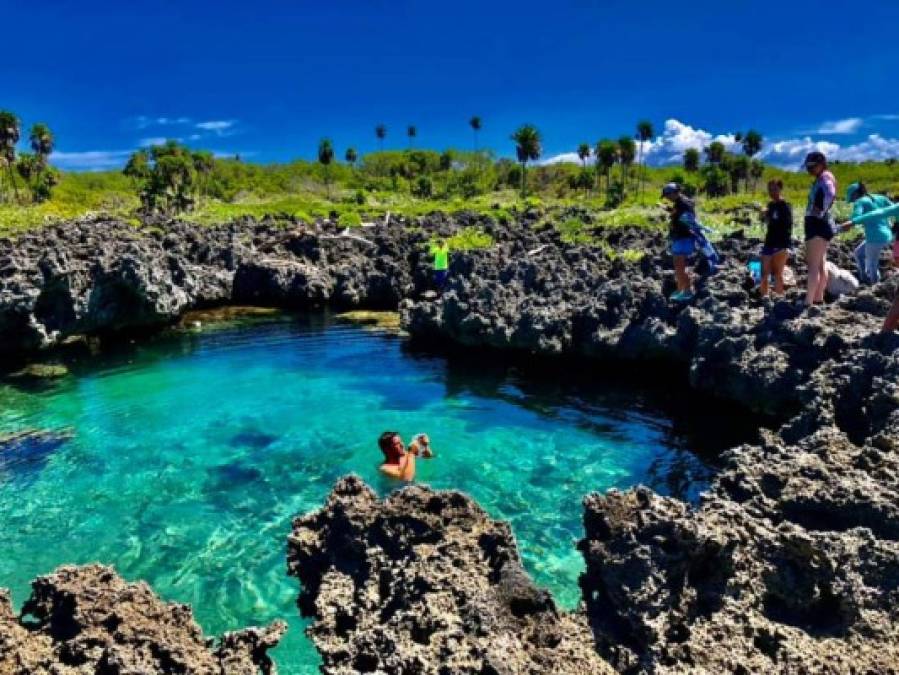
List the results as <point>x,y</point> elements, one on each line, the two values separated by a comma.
<point>779,220</point>
<point>683,244</point>
<point>686,235</point>
<point>440,251</point>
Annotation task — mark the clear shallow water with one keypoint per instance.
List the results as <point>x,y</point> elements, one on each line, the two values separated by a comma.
<point>191,454</point>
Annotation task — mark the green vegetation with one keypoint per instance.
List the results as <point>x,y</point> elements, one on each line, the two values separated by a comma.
<point>469,239</point>
<point>34,168</point>
<point>528,147</point>
<point>171,179</point>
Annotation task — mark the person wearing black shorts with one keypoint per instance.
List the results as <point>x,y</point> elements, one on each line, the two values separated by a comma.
<point>819,225</point>
<point>778,217</point>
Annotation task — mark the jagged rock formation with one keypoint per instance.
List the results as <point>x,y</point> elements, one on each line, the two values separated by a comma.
<point>561,299</point>
<point>97,276</point>
<point>88,620</point>
<point>425,582</point>
<point>788,564</point>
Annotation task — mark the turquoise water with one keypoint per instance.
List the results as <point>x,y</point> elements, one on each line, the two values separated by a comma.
<point>190,455</point>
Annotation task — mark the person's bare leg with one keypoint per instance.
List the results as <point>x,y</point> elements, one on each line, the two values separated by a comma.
<point>766,273</point>
<point>815,249</point>
<point>892,320</point>
<point>822,277</point>
<point>778,263</point>
<point>680,273</point>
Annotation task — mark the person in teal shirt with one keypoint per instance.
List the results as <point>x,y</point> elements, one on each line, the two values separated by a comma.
<point>878,233</point>
<point>440,251</point>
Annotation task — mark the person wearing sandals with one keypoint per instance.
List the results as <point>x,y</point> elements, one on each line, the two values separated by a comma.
<point>683,243</point>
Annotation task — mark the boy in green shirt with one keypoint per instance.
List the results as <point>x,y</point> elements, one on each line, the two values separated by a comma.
<point>440,251</point>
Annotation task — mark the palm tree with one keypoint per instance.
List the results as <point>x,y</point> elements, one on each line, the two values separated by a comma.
<point>627,150</point>
<point>644,133</point>
<point>138,166</point>
<point>691,160</point>
<point>381,133</point>
<point>42,141</point>
<point>756,170</point>
<point>583,152</point>
<point>606,155</point>
<point>350,157</point>
<point>475,124</point>
<point>737,169</point>
<point>752,145</point>
<point>10,133</point>
<point>325,157</point>
<point>527,148</point>
<point>28,166</point>
<point>715,152</point>
<point>204,163</point>
<point>411,132</point>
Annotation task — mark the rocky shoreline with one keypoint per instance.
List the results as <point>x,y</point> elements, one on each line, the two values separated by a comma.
<point>789,563</point>
<point>89,620</point>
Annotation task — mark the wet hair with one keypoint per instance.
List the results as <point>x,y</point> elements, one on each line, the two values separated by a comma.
<point>776,183</point>
<point>385,442</point>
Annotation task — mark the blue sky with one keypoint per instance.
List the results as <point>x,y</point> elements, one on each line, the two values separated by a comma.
<point>269,79</point>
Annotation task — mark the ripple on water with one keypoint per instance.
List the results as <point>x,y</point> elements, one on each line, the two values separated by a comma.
<point>191,455</point>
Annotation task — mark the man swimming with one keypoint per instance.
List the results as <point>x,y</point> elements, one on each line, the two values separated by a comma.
<point>398,461</point>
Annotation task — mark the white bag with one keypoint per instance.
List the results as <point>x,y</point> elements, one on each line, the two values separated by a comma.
<point>839,281</point>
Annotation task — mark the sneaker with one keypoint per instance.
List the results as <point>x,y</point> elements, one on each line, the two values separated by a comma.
<point>681,296</point>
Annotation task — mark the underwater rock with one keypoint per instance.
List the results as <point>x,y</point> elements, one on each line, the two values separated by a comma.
<point>424,581</point>
<point>41,371</point>
<point>388,322</point>
<point>228,314</point>
<point>24,453</point>
<point>89,620</point>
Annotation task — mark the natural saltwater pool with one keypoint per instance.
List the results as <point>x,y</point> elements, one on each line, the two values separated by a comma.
<point>187,456</point>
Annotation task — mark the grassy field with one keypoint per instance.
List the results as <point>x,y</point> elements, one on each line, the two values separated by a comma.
<point>299,191</point>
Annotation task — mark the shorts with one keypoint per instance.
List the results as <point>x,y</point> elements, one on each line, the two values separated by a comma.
<point>818,227</point>
<point>773,250</point>
<point>685,246</point>
<point>440,277</point>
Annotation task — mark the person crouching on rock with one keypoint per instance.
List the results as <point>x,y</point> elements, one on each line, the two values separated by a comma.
<point>398,461</point>
<point>683,242</point>
<point>440,251</point>
<point>779,220</point>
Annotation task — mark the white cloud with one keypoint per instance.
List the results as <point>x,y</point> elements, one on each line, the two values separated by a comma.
<point>846,126</point>
<point>90,160</point>
<point>875,147</point>
<point>156,140</point>
<point>219,127</point>
<point>789,153</point>
<point>890,117</point>
<point>677,137</point>
<point>143,122</point>
<point>565,157</point>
